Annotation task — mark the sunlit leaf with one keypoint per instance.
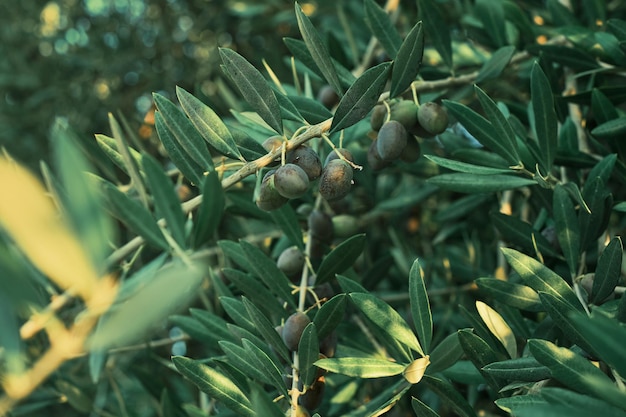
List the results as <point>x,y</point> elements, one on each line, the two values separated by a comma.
<point>472,183</point>
<point>514,295</point>
<point>414,372</point>
<point>498,327</point>
<point>519,369</point>
<point>361,367</point>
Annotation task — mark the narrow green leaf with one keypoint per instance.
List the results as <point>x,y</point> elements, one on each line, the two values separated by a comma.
<point>263,405</point>
<point>134,216</point>
<point>237,311</point>
<point>193,328</point>
<point>266,366</point>
<point>244,361</point>
<point>253,88</point>
<point>606,336</point>
<point>471,183</point>
<point>265,329</point>
<point>184,132</point>
<point>567,228</point>
<point>544,115</point>
<point>285,218</point>
<point>407,63</point>
<point>361,97</point>
<point>361,367</point>
<point>540,278</point>
<point>517,232</point>
<point>420,306</point>
<point>501,126</point>
<point>445,354</point>
<point>481,355</point>
<point>613,129</point>
<point>498,327</point>
<point>496,64</point>
<point>340,258</point>
<point>288,110</point>
<point>232,250</point>
<point>210,212</point>
<point>603,109</point>
<point>380,25</point>
<point>330,315</point>
<point>131,319</point>
<point>436,29</point>
<point>603,169</point>
<point>449,395</point>
<point>254,289</point>
<point>348,285</point>
<point>482,130</point>
<point>465,167</point>
<point>513,405</point>
<point>266,269</point>
<point>491,14</point>
<point>165,198</point>
<point>388,319</point>
<point>312,110</point>
<point>178,155</point>
<point>574,58</point>
<point>518,369</point>
<point>421,409</point>
<point>308,354</point>
<point>108,145</point>
<point>209,124</point>
<point>584,403</point>
<point>608,271</point>
<point>318,50</point>
<point>514,295</point>
<point>215,325</point>
<point>576,372</point>
<point>599,201</point>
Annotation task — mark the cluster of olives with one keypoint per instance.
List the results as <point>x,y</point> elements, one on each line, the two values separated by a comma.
<point>303,166</point>
<point>399,131</point>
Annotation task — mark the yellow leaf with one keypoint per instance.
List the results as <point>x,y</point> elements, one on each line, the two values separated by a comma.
<point>498,327</point>
<point>31,219</point>
<point>414,372</point>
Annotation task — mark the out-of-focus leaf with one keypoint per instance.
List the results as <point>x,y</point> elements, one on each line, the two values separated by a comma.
<point>483,131</point>
<point>518,232</point>
<point>285,218</point>
<point>420,306</point>
<point>313,111</point>
<point>540,278</point>
<point>361,367</point>
<point>498,327</point>
<point>491,14</point>
<point>576,372</point>
<point>445,354</point>
<point>604,168</point>
<point>330,315</point>
<point>408,198</point>
<point>215,325</point>
<point>340,258</point>
<point>193,328</point>
<point>449,395</point>
<point>496,64</point>
<point>253,87</point>
<point>612,129</point>
<point>232,250</point>
<point>266,269</point>
<point>165,199</point>
<point>318,50</point>
<point>210,212</point>
<point>575,58</point>
<point>472,183</point>
<point>464,372</point>
<point>501,126</point>
<point>518,369</point>
<point>263,405</point>
<point>603,109</point>
<point>179,156</point>
<point>361,97</point>
<point>436,29</point>
<point>567,228</point>
<point>209,124</point>
<point>599,201</point>
<point>379,23</point>
<point>308,354</point>
<point>184,132</point>
<point>575,401</point>
<point>514,295</point>
<point>544,115</point>
<point>265,329</point>
<point>406,64</point>
<point>608,271</point>
<point>138,313</point>
<point>388,319</point>
<point>254,289</point>
<point>215,384</point>
<point>421,409</point>
<point>479,352</point>
<point>465,167</point>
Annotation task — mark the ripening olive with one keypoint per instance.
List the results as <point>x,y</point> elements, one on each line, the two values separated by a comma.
<point>307,159</point>
<point>334,154</point>
<point>373,158</point>
<point>345,225</point>
<point>291,181</point>
<point>327,96</point>
<point>293,328</point>
<point>391,141</point>
<point>405,112</point>
<point>432,117</point>
<point>291,261</point>
<point>379,114</point>
<point>320,226</point>
<point>412,151</point>
<point>312,398</point>
<point>269,198</point>
<point>336,180</point>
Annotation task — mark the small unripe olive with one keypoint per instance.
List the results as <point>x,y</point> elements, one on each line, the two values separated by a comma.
<point>405,112</point>
<point>328,97</point>
<point>291,261</point>
<point>269,198</point>
<point>432,117</point>
<point>336,180</point>
<point>334,154</point>
<point>373,158</point>
<point>293,328</point>
<point>273,143</point>
<point>320,226</point>
<point>379,113</point>
<point>328,345</point>
<point>291,181</point>
<point>391,141</point>
<point>345,225</point>
<point>307,159</point>
<point>412,151</point>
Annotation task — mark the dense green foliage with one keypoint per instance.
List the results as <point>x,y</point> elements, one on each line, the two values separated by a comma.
<point>460,254</point>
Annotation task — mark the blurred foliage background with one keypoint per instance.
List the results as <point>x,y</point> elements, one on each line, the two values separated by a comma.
<point>80,59</point>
